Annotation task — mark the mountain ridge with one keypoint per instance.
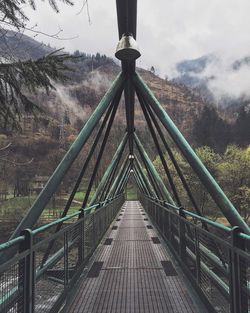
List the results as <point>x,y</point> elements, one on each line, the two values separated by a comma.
<point>93,74</point>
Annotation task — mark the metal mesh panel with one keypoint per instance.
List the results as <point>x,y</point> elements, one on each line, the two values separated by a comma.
<point>219,268</point>
<point>50,283</point>
<point>36,280</point>
<point>219,299</point>
<point>174,232</point>
<point>89,235</point>
<point>11,288</point>
<point>75,250</point>
<point>243,263</point>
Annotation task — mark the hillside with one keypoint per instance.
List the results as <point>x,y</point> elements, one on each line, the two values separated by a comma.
<point>80,98</point>
<point>90,78</point>
<point>33,152</point>
<point>217,80</point>
<point>15,45</point>
<point>67,108</point>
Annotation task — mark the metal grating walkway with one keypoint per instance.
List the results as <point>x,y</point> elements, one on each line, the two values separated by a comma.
<point>131,273</point>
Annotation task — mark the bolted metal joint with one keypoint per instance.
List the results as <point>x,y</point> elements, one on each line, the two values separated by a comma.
<point>127,48</point>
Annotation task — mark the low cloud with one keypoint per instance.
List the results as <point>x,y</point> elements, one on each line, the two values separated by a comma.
<point>100,82</point>
<point>168,32</point>
<point>63,102</point>
<point>229,82</point>
<point>227,76</point>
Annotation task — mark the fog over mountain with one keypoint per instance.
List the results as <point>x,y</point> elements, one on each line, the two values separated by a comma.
<point>189,98</point>
<point>168,32</point>
<point>222,80</point>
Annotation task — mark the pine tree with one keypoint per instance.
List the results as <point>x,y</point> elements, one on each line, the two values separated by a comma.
<point>211,130</point>
<point>242,127</point>
<point>19,77</point>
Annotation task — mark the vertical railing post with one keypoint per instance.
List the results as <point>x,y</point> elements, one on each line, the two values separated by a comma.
<point>66,258</point>
<point>163,222</point>
<point>171,232</point>
<point>166,222</point>
<point>82,237</point>
<point>94,229</point>
<point>109,212</point>
<point>182,235</point>
<point>162,219</point>
<point>198,258</point>
<point>27,271</point>
<point>108,218</point>
<point>155,213</point>
<point>238,274</point>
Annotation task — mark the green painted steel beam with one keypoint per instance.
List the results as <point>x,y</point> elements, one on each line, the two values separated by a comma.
<point>157,191</point>
<point>118,177</point>
<point>138,186</point>
<point>114,105</point>
<point>118,187</point>
<point>38,206</point>
<point>109,169</point>
<point>139,182</point>
<point>144,178</point>
<point>206,178</point>
<point>126,16</point>
<point>110,180</point>
<point>152,169</point>
<point>159,150</point>
<point>125,174</point>
<point>125,181</point>
<point>129,95</point>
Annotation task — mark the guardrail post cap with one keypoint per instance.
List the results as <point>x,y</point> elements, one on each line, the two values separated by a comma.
<point>26,232</point>
<point>28,239</point>
<point>236,240</point>
<point>81,212</point>
<point>181,211</point>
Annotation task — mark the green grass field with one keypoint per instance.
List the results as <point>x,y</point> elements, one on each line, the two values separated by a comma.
<point>131,193</point>
<point>18,206</point>
<point>15,208</point>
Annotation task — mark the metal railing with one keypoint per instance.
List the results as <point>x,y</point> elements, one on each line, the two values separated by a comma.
<point>216,261</point>
<point>28,283</point>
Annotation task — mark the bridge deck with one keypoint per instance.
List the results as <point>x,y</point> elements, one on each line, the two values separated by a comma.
<point>132,272</point>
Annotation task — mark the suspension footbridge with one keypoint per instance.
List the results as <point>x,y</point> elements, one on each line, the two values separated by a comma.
<point>113,255</point>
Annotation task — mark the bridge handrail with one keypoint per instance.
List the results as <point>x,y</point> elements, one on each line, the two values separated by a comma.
<point>198,217</point>
<point>244,236</point>
<point>54,223</point>
<point>11,243</point>
<point>42,228</point>
<point>71,240</point>
<point>222,258</point>
<point>192,214</point>
<point>69,217</point>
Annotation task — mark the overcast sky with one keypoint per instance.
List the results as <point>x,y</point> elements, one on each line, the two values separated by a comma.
<point>168,30</point>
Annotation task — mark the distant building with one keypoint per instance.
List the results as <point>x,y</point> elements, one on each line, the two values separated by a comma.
<point>38,183</point>
<point>31,124</point>
<point>4,193</point>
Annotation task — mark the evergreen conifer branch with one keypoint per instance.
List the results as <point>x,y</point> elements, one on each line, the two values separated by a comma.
<point>23,77</point>
<point>19,78</point>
